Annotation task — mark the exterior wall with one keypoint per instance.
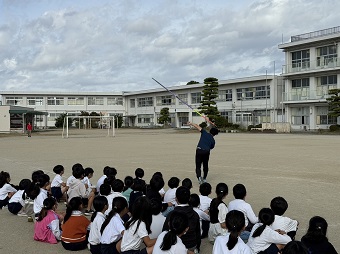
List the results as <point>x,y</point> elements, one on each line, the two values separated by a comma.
<point>307,108</point>
<point>4,119</point>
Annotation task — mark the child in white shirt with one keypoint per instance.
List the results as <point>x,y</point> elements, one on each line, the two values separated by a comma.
<point>204,216</point>
<point>6,189</point>
<point>170,194</point>
<point>40,193</point>
<point>16,204</point>
<point>58,187</point>
<point>205,191</point>
<point>232,243</point>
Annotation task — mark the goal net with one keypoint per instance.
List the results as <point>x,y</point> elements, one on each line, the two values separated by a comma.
<point>88,126</point>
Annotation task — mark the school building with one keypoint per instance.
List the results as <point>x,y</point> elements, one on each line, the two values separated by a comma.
<point>297,97</point>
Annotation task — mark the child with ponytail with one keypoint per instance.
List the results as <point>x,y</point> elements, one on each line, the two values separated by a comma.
<point>231,242</point>
<point>113,227</point>
<point>7,190</point>
<point>38,191</point>
<point>263,239</point>
<point>169,241</point>
<point>100,205</point>
<point>218,211</point>
<point>16,205</point>
<point>75,227</point>
<point>46,228</point>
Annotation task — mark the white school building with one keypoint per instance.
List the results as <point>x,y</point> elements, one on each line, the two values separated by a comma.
<point>297,97</point>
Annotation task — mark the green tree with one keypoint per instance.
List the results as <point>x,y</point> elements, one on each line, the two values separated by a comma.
<point>334,102</point>
<point>192,82</point>
<point>164,117</point>
<point>210,93</point>
<point>59,121</point>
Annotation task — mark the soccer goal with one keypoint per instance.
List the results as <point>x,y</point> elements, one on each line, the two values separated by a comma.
<point>88,126</point>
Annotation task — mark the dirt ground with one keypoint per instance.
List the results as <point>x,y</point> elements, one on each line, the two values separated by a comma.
<point>302,168</point>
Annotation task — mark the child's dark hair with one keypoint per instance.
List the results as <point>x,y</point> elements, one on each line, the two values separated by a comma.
<point>141,211</point>
<point>156,206</point>
<point>73,205</point>
<point>214,131</point>
<point>128,182</point>
<point>182,195</point>
<point>48,205</point>
<point>105,189</point>
<point>157,174</point>
<point>78,171</point>
<point>221,191</point>
<point>118,205</point>
<point>99,204</point>
<point>173,182</point>
<point>58,169</point>
<point>139,172</point>
<point>24,185</point>
<point>110,171</point>
<point>317,230</point>
<point>4,178</point>
<point>177,224</point>
<point>295,247</point>
<point>187,183</point>
<point>117,185</point>
<point>205,189</point>
<point>239,191</point>
<point>156,183</point>
<point>88,171</point>
<point>138,185</point>
<point>235,223</point>
<point>194,200</point>
<point>35,174</point>
<point>266,217</point>
<point>279,205</point>
<point>33,189</point>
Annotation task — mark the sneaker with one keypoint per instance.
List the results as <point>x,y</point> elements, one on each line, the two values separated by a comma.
<point>200,180</point>
<point>29,219</point>
<point>204,180</point>
<point>88,212</point>
<point>21,214</point>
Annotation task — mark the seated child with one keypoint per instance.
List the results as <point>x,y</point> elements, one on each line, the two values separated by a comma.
<point>46,228</point>
<point>107,172</point>
<point>16,204</point>
<point>138,188</point>
<point>315,239</point>
<point>100,205</point>
<point>6,189</point>
<point>295,247</point>
<point>170,194</point>
<point>38,191</point>
<point>113,226</point>
<point>58,187</point>
<point>187,183</point>
<point>88,174</point>
<point>170,241</point>
<point>117,186</point>
<point>161,191</point>
<point>205,191</point>
<point>263,238</point>
<point>204,217</point>
<point>218,211</point>
<point>241,205</point>
<point>75,226</point>
<point>128,182</point>
<point>232,242</point>
<point>279,206</point>
<point>157,218</point>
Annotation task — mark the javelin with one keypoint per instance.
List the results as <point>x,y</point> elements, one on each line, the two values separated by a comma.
<point>206,118</point>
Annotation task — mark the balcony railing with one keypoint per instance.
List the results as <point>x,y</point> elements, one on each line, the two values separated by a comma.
<point>306,95</point>
<point>320,64</point>
<point>315,34</point>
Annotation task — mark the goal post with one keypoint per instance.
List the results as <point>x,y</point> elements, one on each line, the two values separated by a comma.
<point>88,126</point>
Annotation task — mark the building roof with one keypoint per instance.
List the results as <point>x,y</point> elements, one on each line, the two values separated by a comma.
<point>23,110</point>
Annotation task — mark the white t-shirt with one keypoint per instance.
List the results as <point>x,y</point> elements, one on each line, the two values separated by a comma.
<point>157,225</point>
<point>113,231</point>
<point>71,178</point>
<point>245,208</point>
<point>39,201</point>
<point>7,188</point>
<point>110,199</point>
<point>267,237</point>
<point>17,198</point>
<point>178,248</point>
<point>100,182</point>
<point>222,212</point>
<point>204,203</point>
<point>170,196</point>
<point>220,246</point>
<point>284,223</point>
<point>57,181</point>
<point>95,235</point>
<point>132,240</point>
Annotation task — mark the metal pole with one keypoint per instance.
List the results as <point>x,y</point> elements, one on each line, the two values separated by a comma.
<point>266,98</point>
<point>275,96</point>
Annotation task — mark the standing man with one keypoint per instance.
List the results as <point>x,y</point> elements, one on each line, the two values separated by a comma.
<point>29,129</point>
<point>205,144</point>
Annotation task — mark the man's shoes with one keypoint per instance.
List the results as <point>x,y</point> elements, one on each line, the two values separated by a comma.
<point>200,180</point>
<point>204,180</point>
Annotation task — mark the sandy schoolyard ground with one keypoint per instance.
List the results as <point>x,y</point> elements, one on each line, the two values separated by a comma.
<point>304,169</point>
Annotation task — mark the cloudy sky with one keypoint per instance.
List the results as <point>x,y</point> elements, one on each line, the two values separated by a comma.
<point>119,45</point>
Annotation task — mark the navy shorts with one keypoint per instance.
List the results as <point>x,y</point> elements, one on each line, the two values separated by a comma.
<point>56,192</point>
<point>14,207</point>
<point>143,251</point>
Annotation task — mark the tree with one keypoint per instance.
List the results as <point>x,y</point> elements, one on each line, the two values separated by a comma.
<point>210,93</point>
<point>59,121</point>
<point>334,102</point>
<point>192,82</point>
<point>164,117</point>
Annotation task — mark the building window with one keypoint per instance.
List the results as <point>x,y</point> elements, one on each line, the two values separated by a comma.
<point>227,115</point>
<point>75,101</point>
<point>165,100</point>
<point>145,119</point>
<point>39,118</point>
<point>323,118</point>
<point>55,100</point>
<point>326,55</point>
<point>298,83</point>
<point>53,116</point>
<point>196,98</point>
<point>183,97</point>
<point>225,95</point>
<point>14,101</point>
<point>324,84</point>
<point>32,101</point>
<point>115,101</point>
<point>183,118</point>
<point>262,93</point>
<point>300,116</point>
<point>95,101</point>
<point>301,59</point>
<point>253,93</point>
<point>145,102</point>
<point>132,103</point>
